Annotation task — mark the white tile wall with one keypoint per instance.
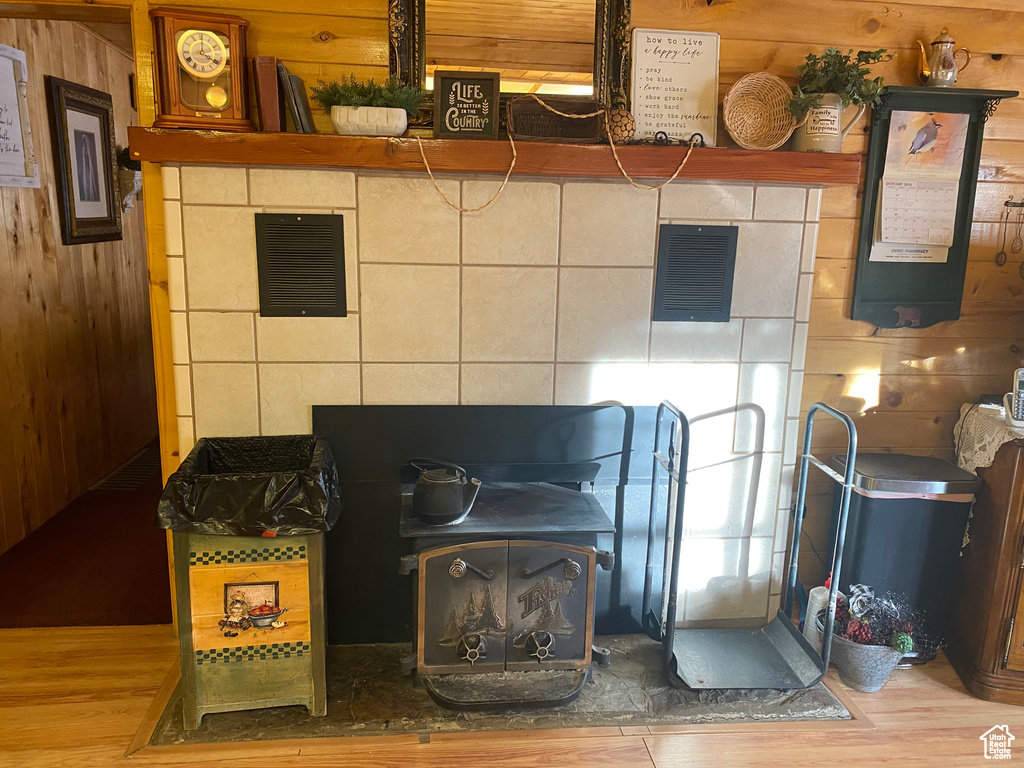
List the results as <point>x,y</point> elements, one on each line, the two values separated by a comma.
<point>520,227</point>
<point>544,297</point>
<point>508,314</point>
<point>608,224</point>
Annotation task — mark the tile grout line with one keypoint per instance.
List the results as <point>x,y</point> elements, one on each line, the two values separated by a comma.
<point>359,283</point>
<point>558,289</point>
<point>184,276</point>
<point>259,390</point>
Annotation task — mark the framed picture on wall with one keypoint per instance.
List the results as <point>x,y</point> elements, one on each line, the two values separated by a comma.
<point>17,160</point>
<point>85,162</point>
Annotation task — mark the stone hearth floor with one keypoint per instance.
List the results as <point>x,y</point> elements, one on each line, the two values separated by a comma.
<point>368,696</point>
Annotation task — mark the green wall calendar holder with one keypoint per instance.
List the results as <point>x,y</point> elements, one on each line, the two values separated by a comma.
<point>919,286</point>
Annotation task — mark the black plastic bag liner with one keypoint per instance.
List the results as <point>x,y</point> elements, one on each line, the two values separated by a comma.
<point>253,486</point>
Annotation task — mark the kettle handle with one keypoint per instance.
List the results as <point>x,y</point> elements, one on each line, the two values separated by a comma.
<point>459,471</point>
<point>968,61</point>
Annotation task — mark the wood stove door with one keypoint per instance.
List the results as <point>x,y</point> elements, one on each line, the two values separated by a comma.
<point>550,605</point>
<point>462,609</point>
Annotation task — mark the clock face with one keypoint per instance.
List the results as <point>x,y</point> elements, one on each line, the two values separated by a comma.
<point>202,53</point>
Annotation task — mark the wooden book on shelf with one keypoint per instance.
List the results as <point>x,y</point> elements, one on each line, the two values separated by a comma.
<point>269,104</point>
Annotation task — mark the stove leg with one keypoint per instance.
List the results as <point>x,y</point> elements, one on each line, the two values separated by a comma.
<point>601,657</point>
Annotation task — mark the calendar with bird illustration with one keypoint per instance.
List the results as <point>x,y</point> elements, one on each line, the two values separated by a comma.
<point>919,191</point>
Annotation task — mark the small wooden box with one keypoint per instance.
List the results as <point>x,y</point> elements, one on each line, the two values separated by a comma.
<point>259,667</point>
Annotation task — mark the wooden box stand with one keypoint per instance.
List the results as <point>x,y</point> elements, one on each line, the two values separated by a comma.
<point>259,667</point>
<point>987,645</point>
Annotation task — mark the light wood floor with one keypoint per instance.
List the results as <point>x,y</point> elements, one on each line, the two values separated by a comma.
<point>77,697</point>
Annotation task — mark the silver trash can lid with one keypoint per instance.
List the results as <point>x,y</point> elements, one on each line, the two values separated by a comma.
<point>901,473</point>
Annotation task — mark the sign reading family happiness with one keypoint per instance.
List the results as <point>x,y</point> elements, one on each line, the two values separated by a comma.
<point>466,104</point>
<point>675,83</point>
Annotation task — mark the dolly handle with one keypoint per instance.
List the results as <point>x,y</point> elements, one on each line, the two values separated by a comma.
<point>844,508</point>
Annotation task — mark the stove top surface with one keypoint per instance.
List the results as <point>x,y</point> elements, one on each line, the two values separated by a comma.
<point>515,509</point>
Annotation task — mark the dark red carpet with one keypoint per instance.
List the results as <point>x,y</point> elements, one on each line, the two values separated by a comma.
<point>99,561</point>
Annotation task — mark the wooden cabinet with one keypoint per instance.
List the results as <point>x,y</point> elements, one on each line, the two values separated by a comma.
<point>987,643</point>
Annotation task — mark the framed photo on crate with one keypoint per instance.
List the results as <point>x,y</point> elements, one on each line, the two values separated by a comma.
<point>17,159</point>
<point>85,162</point>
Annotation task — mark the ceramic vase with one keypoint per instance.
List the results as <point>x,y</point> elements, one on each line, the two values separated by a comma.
<point>822,130</point>
<point>369,121</point>
<point>864,667</point>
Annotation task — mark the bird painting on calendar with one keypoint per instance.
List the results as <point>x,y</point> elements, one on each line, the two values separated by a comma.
<point>929,144</point>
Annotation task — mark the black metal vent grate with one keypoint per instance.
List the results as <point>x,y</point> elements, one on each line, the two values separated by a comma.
<point>695,273</point>
<point>301,263</point>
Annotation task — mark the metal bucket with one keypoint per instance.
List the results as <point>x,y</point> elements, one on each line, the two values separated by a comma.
<point>864,667</point>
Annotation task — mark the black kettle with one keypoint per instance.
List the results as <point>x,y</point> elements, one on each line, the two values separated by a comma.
<point>444,494</point>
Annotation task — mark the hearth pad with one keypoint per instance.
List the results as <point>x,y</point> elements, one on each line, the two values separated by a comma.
<point>368,696</point>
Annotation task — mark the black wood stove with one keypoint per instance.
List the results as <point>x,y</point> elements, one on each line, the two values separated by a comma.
<point>505,598</point>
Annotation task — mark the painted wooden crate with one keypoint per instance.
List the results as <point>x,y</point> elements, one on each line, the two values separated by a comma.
<point>228,666</point>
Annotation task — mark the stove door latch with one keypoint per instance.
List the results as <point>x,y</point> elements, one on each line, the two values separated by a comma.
<point>606,559</point>
<point>407,564</point>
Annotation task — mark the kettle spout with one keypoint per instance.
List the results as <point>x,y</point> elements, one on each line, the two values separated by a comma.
<point>924,71</point>
<point>469,492</point>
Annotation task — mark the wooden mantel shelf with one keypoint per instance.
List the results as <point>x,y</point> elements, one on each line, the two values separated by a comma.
<point>447,156</point>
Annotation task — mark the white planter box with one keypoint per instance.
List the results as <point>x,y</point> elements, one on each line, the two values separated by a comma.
<point>369,121</point>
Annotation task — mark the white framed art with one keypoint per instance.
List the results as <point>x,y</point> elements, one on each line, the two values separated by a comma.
<point>18,166</point>
<point>675,84</point>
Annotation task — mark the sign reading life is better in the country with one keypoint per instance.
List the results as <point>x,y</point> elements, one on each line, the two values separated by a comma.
<point>675,83</point>
<point>466,104</point>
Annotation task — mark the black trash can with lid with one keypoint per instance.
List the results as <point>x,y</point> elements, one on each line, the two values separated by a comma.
<point>908,515</point>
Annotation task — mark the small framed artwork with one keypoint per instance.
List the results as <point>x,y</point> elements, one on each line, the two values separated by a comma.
<point>85,162</point>
<point>17,159</point>
<point>255,593</point>
<point>466,104</point>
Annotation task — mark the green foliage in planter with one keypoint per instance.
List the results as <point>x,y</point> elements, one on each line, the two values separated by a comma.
<point>352,93</point>
<point>841,73</point>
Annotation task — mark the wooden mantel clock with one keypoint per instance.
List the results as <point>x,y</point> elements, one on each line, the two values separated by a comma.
<point>201,73</point>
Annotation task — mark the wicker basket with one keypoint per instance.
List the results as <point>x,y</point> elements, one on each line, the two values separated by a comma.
<point>529,120</point>
<point>756,111</point>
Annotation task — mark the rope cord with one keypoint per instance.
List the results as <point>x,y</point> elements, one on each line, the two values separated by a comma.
<point>611,143</point>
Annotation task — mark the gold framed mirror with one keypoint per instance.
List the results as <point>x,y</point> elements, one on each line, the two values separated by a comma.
<point>609,75</point>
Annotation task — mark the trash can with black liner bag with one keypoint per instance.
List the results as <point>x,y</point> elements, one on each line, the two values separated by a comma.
<point>247,516</point>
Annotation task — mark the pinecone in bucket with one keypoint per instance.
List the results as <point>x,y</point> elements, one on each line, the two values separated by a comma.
<point>621,126</point>
<point>859,632</point>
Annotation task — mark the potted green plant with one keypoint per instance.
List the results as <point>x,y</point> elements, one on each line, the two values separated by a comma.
<point>870,636</point>
<point>367,108</point>
<point>829,84</point>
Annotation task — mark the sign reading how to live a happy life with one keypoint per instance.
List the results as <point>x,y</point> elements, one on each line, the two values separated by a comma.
<point>675,83</point>
<point>466,105</point>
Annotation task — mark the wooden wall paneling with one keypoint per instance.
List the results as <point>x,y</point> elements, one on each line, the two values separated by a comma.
<point>853,24</point>
<point>73,407</point>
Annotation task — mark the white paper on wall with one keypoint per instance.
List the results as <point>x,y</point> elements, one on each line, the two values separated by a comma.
<point>12,150</point>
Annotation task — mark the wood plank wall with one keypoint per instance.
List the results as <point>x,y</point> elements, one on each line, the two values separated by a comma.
<point>76,360</point>
<point>903,387</point>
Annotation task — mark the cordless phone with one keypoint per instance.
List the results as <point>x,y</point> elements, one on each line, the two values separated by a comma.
<point>1018,394</point>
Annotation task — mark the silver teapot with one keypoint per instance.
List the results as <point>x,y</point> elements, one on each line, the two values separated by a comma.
<point>939,65</point>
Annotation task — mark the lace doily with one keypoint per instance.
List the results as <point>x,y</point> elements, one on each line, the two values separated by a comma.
<point>978,434</point>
